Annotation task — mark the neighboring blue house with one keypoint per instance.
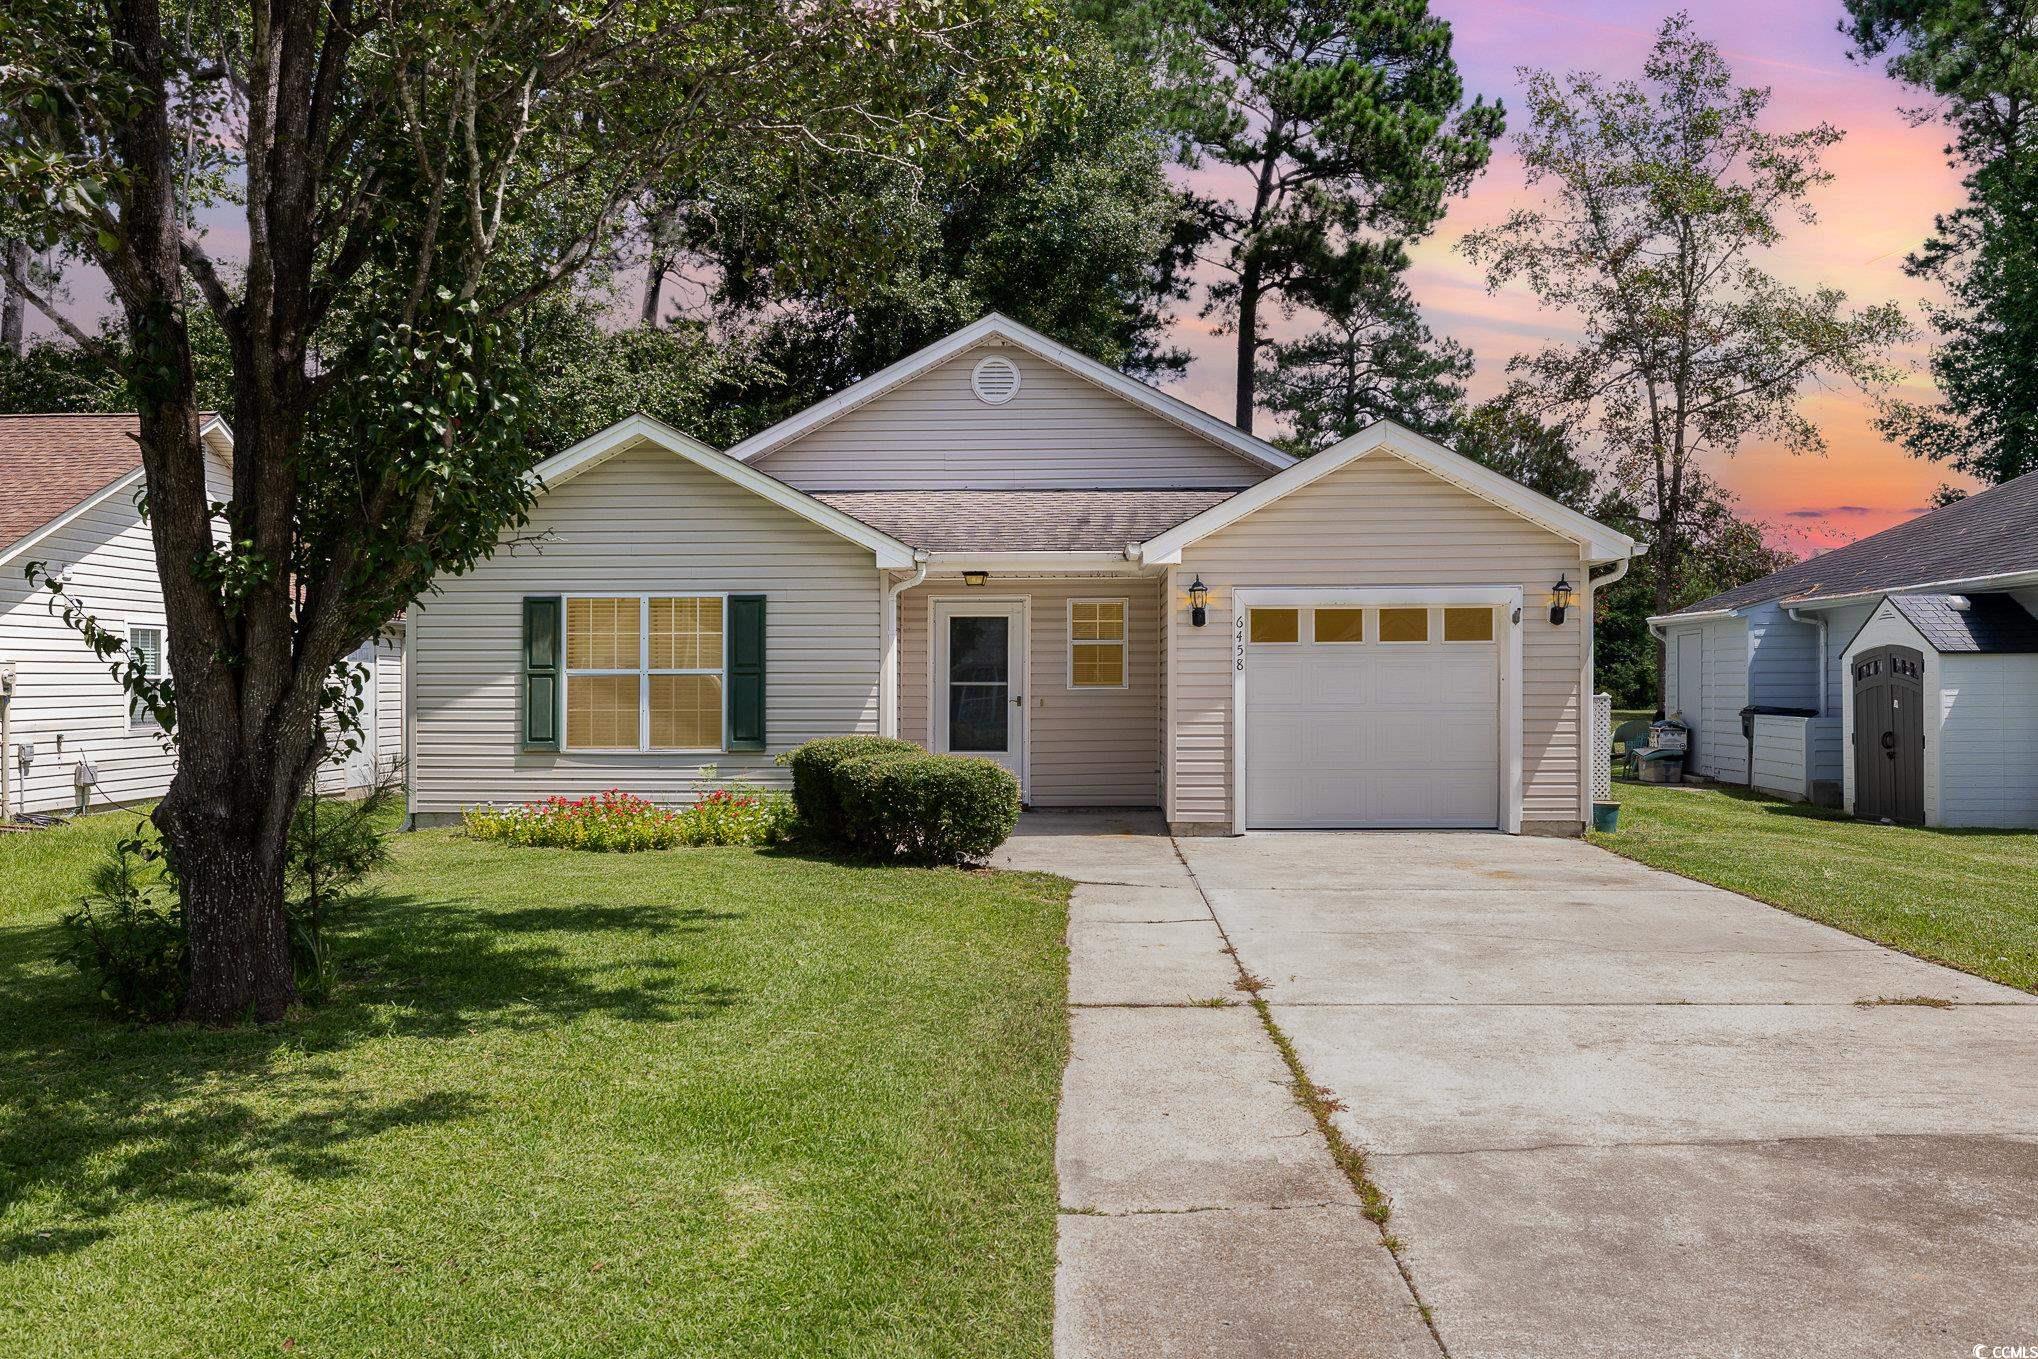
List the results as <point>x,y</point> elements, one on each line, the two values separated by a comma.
<point>1903,668</point>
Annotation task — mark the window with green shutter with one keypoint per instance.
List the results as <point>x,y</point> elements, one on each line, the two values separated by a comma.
<point>746,672</point>
<point>541,672</point>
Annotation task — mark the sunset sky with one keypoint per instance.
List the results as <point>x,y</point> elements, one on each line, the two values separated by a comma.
<point>1890,179</point>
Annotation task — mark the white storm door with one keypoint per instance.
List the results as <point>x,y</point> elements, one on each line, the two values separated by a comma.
<point>980,681</point>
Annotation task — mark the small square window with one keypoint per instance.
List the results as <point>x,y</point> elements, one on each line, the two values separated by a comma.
<point>1097,643</point>
<point>1404,625</point>
<point>1468,625</point>
<point>1275,625</point>
<point>1340,625</point>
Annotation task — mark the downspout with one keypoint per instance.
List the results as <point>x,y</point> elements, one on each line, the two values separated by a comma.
<point>888,698</point>
<point>1593,585</point>
<point>1819,622</point>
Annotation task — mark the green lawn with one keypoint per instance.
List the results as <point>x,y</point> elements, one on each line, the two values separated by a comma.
<point>706,1102</point>
<point>1968,898</point>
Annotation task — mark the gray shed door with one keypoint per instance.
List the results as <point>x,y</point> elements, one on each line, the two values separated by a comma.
<point>1889,735</point>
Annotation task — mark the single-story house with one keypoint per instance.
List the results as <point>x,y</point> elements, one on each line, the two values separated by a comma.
<point>68,486</point>
<point>1000,547</point>
<point>1896,677</point>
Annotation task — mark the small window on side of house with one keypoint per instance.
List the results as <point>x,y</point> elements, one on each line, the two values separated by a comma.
<point>147,644</point>
<point>1097,644</point>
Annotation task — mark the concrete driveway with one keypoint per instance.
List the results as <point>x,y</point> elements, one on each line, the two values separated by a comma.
<point>1618,1113</point>
<point>1621,1113</point>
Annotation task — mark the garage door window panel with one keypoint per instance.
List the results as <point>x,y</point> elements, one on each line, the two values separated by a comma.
<point>1404,625</point>
<point>1275,627</point>
<point>1338,627</point>
<point>1468,625</point>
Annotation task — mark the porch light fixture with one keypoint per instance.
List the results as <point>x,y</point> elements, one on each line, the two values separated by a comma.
<point>1560,599</point>
<point>1199,602</point>
<point>974,579</point>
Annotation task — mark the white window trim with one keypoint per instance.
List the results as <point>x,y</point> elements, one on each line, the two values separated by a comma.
<point>643,672</point>
<point>1123,643</point>
<point>1507,597</point>
<point>140,718</point>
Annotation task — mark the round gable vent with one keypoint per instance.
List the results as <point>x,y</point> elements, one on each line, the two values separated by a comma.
<point>995,380</point>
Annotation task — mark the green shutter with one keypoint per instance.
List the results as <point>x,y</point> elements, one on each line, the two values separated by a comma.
<point>746,672</point>
<point>541,672</point>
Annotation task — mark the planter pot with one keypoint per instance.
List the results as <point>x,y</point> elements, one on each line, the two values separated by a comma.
<point>1605,817</point>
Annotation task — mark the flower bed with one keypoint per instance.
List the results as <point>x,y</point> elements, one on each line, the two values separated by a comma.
<point>617,822</point>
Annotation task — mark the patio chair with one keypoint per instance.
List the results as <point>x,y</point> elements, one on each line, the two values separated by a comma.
<point>1629,739</point>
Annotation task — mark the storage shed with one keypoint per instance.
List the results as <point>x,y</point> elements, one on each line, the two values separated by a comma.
<point>1942,704</point>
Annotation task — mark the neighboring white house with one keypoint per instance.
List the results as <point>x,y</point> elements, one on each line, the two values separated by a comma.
<point>1789,646</point>
<point>67,499</point>
<point>1000,547</point>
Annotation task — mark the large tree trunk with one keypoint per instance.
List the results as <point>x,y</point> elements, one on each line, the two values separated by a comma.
<point>1248,342</point>
<point>233,902</point>
<point>11,310</point>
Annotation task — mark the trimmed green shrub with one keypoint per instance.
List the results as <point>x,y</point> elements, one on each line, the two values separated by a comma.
<point>931,809</point>
<point>813,766</point>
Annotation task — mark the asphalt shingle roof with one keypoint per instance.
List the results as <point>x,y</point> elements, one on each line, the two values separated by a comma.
<point>1992,532</point>
<point>1023,521</point>
<point>1984,623</point>
<point>50,464</point>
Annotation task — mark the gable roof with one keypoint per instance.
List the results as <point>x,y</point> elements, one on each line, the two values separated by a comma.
<point>627,433</point>
<point>54,468</point>
<point>1991,623</point>
<point>995,327</point>
<point>1598,542</point>
<point>1024,521</point>
<point>1992,533</point>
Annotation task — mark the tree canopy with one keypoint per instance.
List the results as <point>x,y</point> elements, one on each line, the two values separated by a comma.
<point>1974,57</point>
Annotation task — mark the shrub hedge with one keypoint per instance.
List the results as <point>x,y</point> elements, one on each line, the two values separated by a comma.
<point>813,766</point>
<point>893,800</point>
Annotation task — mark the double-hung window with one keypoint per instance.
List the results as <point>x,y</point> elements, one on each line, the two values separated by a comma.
<point>644,672</point>
<point>1097,644</point>
<point>147,644</point>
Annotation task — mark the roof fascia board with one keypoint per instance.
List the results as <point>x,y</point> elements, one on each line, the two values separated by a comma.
<point>1662,619</point>
<point>2001,580</point>
<point>1600,543</point>
<point>1088,562</point>
<point>597,448</point>
<point>997,327</point>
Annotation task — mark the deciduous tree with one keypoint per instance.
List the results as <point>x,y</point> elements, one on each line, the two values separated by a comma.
<point>411,178</point>
<point>1659,197</point>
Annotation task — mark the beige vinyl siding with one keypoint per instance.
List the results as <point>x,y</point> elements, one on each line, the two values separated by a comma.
<point>66,701</point>
<point>1379,522</point>
<point>1089,747</point>
<point>644,521</point>
<point>1059,431</point>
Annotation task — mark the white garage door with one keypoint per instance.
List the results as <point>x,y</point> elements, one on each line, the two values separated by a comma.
<point>1372,717</point>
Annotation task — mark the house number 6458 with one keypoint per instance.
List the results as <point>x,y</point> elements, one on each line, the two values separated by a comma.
<point>1238,647</point>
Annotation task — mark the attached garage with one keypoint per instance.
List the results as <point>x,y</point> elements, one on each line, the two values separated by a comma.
<point>1374,709</point>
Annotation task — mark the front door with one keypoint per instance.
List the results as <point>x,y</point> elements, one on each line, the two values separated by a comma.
<point>979,690</point>
<point>1889,735</point>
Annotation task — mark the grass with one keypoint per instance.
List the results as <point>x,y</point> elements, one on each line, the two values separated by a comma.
<point>1967,898</point>
<point>701,1102</point>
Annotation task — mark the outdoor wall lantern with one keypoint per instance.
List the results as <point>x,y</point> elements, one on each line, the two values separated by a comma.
<point>1199,602</point>
<point>975,578</point>
<point>1560,599</point>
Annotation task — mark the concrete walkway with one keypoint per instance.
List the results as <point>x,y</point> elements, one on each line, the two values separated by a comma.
<point>1618,1113</point>
<point>1202,1214</point>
